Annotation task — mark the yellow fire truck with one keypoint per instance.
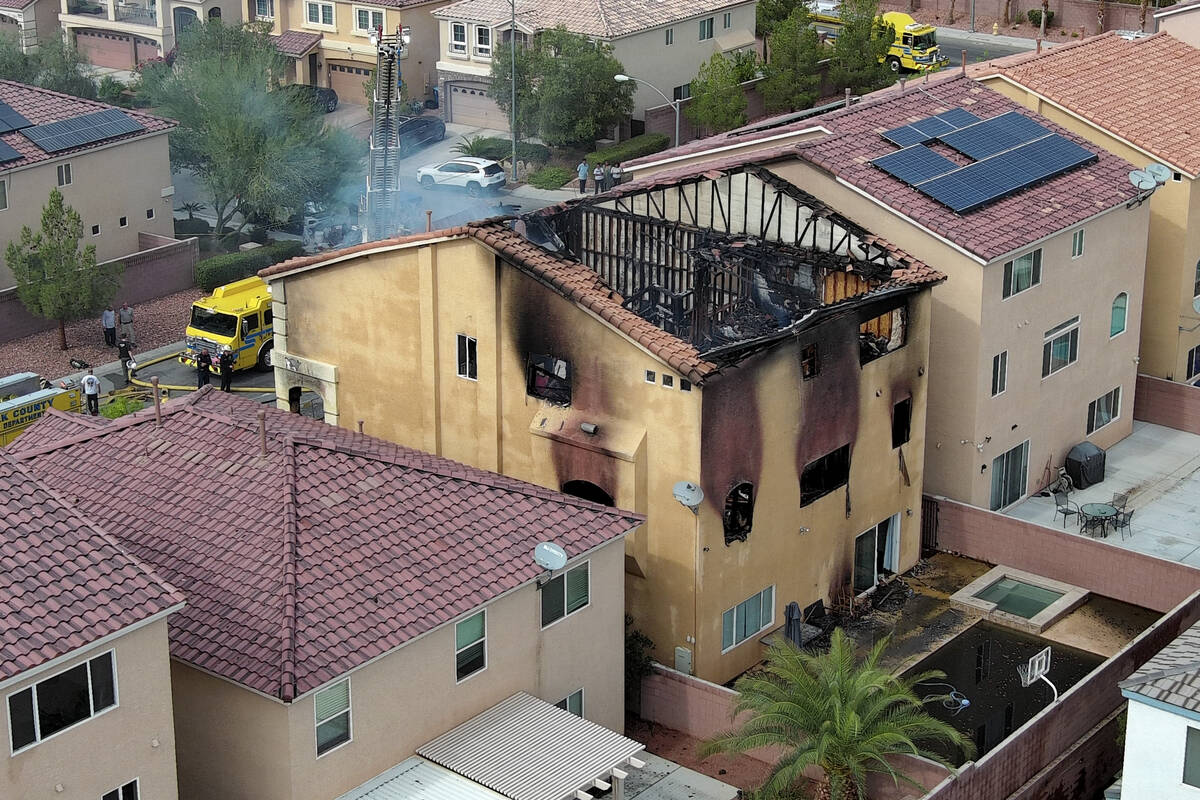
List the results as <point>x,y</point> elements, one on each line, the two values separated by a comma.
<point>237,315</point>
<point>25,397</point>
<point>915,47</point>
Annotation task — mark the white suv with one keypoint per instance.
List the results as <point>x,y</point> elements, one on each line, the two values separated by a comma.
<point>476,175</point>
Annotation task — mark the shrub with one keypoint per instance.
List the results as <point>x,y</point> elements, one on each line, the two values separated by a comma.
<point>636,147</point>
<point>192,227</point>
<point>1035,17</point>
<point>259,234</point>
<point>550,177</point>
<point>121,406</point>
<point>220,270</point>
<point>499,149</point>
<point>112,91</point>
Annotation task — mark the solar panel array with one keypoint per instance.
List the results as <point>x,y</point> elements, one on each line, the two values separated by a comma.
<point>65,134</point>
<point>930,127</point>
<point>995,135</point>
<point>10,120</point>
<point>7,153</point>
<point>915,164</point>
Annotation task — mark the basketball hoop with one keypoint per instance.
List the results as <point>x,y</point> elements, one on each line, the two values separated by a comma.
<point>1036,669</point>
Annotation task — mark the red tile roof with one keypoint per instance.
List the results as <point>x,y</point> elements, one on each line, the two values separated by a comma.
<point>331,549</point>
<point>605,19</point>
<point>16,3</point>
<point>64,583</point>
<point>40,106</point>
<point>52,426</point>
<point>1145,91</point>
<point>296,43</point>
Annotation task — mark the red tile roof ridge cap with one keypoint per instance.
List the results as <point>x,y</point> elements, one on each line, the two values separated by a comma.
<point>100,104</point>
<point>291,525</point>
<point>319,259</point>
<point>86,420</point>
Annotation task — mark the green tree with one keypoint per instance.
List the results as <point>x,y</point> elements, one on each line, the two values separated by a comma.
<point>718,102</point>
<point>257,150</point>
<point>769,14</point>
<point>792,81</point>
<point>54,65</point>
<point>861,45</point>
<point>833,712</point>
<point>55,279</point>
<point>500,88</point>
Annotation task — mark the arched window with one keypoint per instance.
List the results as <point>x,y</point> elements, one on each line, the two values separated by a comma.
<point>214,12</point>
<point>183,18</point>
<point>1119,306</point>
<point>739,512</point>
<point>586,490</point>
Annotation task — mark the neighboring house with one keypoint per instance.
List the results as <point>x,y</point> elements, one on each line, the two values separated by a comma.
<point>1034,344</point>
<point>327,39</point>
<point>1180,21</point>
<point>1162,727</point>
<point>121,35</point>
<point>1112,92</point>
<point>30,22</point>
<point>663,43</point>
<point>84,670</point>
<point>349,601</point>
<point>790,392</point>
<point>113,167</point>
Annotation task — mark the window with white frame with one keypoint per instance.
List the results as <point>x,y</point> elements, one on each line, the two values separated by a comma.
<point>64,174</point>
<point>999,373</point>
<point>566,594</point>
<point>149,213</point>
<point>573,703</point>
<point>367,20</point>
<point>3,195</point>
<point>1116,323</point>
<point>264,9</point>
<point>706,29</point>
<point>483,40</point>
<point>1060,347</point>
<point>754,614</point>
<point>458,37</point>
<point>1022,273</point>
<point>332,706</point>
<point>468,365</point>
<point>1077,243</point>
<point>1191,758</point>
<point>62,700</point>
<point>470,645</point>
<point>127,792</point>
<point>727,20</point>
<point>1193,364</point>
<point>1104,410</point>
<point>319,13</point>
<point>670,36</point>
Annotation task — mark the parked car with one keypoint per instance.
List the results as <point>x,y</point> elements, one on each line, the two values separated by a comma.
<point>476,175</point>
<point>319,96</point>
<point>419,131</point>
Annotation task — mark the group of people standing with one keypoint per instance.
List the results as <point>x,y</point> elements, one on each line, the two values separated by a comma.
<point>109,320</point>
<point>204,363</point>
<point>604,175</point>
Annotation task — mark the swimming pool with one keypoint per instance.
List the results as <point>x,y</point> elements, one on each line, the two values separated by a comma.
<point>1020,598</point>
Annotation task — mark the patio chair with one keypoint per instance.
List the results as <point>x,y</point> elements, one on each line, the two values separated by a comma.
<point>1064,506</point>
<point>1122,522</point>
<point>1119,501</point>
<point>1091,526</point>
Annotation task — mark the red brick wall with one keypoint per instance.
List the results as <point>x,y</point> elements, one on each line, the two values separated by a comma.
<point>1162,402</point>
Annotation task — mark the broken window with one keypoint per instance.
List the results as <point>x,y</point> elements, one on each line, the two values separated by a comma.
<point>550,379</point>
<point>901,422</point>
<point>882,335</point>
<point>822,476</point>
<point>739,512</point>
<point>809,364</point>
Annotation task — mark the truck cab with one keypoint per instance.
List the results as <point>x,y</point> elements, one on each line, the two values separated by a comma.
<point>237,315</point>
<point>913,48</point>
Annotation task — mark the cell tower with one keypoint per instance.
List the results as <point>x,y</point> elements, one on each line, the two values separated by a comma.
<point>383,172</point>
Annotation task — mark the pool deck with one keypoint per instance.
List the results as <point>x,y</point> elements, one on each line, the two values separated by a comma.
<point>1159,468</point>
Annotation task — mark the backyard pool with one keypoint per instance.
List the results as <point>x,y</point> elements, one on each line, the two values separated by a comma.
<point>1017,597</point>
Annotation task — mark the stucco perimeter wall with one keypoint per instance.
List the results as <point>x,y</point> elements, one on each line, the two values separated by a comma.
<point>1162,402</point>
<point>1069,15</point>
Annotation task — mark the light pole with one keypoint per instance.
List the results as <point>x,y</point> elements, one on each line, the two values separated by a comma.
<point>674,103</point>
<point>512,49</point>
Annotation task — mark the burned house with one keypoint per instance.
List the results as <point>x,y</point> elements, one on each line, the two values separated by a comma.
<point>723,332</point>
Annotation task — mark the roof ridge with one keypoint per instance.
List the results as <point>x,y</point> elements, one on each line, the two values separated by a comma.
<point>119,424</point>
<point>1151,677</point>
<point>603,19</point>
<point>287,672</point>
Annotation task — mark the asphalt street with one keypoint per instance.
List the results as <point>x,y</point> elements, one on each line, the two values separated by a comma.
<point>979,46</point>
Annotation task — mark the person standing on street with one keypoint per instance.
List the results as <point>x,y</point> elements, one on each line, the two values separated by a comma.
<point>226,364</point>
<point>126,317</point>
<point>91,391</point>
<point>108,321</point>
<point>582,172</point>
<point>125,354</point>
<point>203,362</point>
<point>598,177</point>
<point>616,175</point>
<point>607,176</point>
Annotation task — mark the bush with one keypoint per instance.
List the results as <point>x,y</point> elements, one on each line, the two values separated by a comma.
<point>121,406</point>
<point>112,91</point>
<point>630,149</point>
<point>259,234</point>
<point>550,177</point>
<point>220,270</point>
<point>1035,17</point>
<point>192,227</point>
<point>499,149</point>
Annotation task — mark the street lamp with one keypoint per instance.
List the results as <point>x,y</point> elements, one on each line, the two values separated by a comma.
<point>512,49</point>
<point>673,103</point>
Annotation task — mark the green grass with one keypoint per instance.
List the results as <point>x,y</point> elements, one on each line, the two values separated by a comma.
<point>550,177</point>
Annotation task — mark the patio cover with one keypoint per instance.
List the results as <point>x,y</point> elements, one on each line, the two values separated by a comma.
<point>526,749</point>
<point>418,779</point>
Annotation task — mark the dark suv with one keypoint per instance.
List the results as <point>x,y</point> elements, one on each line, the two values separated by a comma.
<point>319,96</point>
<point>419,131</point>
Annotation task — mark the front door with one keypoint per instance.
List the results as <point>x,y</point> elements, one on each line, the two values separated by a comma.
<point>876,553</point>
<point>312,69</point>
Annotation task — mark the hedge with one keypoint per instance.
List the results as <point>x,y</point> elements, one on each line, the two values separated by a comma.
<point>191,227</point>
<point>630,149</point>
<point>1035,17</point>
<point>220,270</point>
<point>499,149</point>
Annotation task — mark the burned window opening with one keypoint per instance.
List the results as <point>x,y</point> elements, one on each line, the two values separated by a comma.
<point>901,422</point>
<point>810,363</point>
<point>586,490</point>
<point>738,516</point>
<point>821,476</point>
<point>884,334</point>
<point>550,379</point>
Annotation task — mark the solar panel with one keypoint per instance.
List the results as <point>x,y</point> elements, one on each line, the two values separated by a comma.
<point>7,153</point>
<point>958,117</point>
<point>905,135</point>
<point>10,120</point>
<point>995,135</point>
<point>915,164</point>
<point>83,130</point>
<point>930,128</point>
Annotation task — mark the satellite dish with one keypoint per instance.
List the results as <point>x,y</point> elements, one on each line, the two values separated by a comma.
<point>1143,180</point>
<point>689,494</point>
<point>550,556</point>
<point>1161,174</point>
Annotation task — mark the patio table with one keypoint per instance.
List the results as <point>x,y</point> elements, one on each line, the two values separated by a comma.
<point>1102,511</point>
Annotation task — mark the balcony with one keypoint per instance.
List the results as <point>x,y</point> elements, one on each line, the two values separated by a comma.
<point>87,8</point>
<point>138,14</point>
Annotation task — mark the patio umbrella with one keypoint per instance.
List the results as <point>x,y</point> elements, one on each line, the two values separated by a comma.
<point>793,627</point>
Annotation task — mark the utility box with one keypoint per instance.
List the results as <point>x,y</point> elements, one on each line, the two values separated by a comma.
<point>683,660</point>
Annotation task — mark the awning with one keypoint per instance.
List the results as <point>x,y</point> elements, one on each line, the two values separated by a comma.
<point>526,749</point>
<point>296,44</point>
<point>734,40</point>
<point>418,779</point>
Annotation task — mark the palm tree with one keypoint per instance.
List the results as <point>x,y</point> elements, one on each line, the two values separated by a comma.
<point>830,712</point>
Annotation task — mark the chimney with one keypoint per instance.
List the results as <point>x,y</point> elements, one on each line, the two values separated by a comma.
<point>902,82</point>
<point>1039,44</point>
<point>428,220</point>
<point>157,402</point>
<point>964,63</point>
<point>847,97</point>
<point>360,425</point>
<point>262,433</point>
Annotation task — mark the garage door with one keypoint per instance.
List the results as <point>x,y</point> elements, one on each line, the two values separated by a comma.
<point>347,79</point>
<point>106,49</point>
<point>470,105</point>
<point>146,48</point>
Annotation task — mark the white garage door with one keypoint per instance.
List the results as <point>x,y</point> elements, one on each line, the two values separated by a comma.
<point>470,105</point>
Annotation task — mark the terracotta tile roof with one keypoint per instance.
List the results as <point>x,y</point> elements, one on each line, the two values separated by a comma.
<point>40,106</point>
<point>606,19</point>
<point>295,44</point>
<point>52,426</point>
<point>64,583</point>
<point>1172,675</point>
<point>16,3</point>
<point>331,549</point>
<point>1146,91</point>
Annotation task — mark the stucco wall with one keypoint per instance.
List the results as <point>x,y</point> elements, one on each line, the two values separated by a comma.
<point>1184,26</point>
<point>112,748</point>
<point>1154,750</point>
<point>1167,403</point>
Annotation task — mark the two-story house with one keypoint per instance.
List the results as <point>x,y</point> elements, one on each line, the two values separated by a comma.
<point>664,44</point>
<point>350,602</point>
<point>1110,91</point>
<point>29,22</point>
<point>84,670</point>
<point>123,33</point>
<point>328,41</point>
<point>1034,346</point>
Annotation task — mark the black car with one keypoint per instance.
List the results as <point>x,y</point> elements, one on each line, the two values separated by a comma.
<point>319,96</point>
<point>419,131</point>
